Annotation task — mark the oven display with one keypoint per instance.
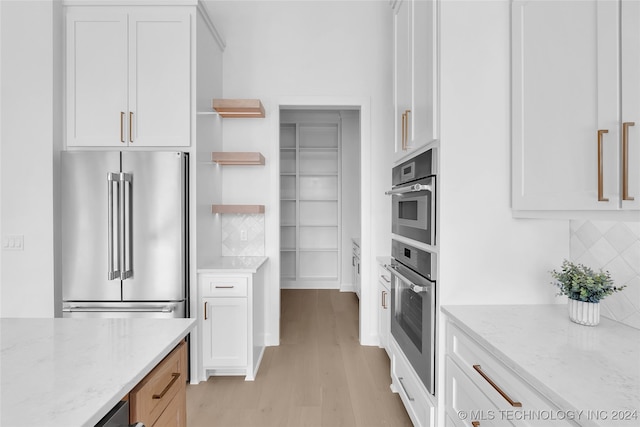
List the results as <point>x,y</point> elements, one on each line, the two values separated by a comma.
<point>408,210</point>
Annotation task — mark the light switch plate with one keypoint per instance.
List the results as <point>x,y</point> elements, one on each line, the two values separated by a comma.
<point>13,242</point>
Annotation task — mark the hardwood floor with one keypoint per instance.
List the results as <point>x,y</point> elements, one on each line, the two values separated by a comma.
<point>319,375</point>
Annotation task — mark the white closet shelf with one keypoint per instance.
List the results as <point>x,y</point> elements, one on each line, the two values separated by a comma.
<point>237,158</point>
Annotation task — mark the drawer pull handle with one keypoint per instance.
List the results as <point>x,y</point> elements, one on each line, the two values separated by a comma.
<point>478,368</point>
<point>205,310</point>
<point>175,376</point>
<point>411,399</point>
<point>224,287</point>
<point>385,279</point>
<point>475,423</point>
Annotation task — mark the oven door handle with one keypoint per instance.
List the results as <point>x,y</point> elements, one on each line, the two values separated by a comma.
<point>409,189</point>
<point>415,288</point>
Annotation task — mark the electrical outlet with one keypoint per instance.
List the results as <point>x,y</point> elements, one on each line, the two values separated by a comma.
<point>243,235</point>
<point>13,242</point>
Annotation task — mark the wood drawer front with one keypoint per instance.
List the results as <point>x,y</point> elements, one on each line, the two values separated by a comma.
<point>216,286</point>
<point>151,397</point>
<point>466,352</point>
<point>176,413</point>
<point>466,403</point>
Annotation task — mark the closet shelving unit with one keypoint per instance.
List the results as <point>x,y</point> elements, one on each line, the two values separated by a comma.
<point>310,203</point>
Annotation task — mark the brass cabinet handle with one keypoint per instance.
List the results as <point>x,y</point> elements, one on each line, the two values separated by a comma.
<point>404,119</point>
<point>478,368</point>
<point>174,378</point>
<point>205,310</point>
<point>130,127</point>
<point>122,126</point>
<point>625,160</point>
<point>406,134</point>
<point>384,299</point>
<point>400,379</point>
<point>225,287</point>
<point>601,197</point>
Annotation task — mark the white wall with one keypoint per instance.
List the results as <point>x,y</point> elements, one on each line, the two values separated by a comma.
<point>487,257</point>
<point>27,139</point>
<point>317,50</point>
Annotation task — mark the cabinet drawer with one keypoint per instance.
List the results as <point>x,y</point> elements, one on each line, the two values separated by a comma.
<point>176,413</point>
<point>475,361</point>
<point>411,390</point>
<point>217,286</point>
<point>152,396</point>
<point>465,403</point>
<point>384,277</point>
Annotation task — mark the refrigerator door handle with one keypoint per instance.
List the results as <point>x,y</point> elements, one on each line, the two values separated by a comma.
<point>113,271</point>
<point>127,238</point>
<point>94,309</point>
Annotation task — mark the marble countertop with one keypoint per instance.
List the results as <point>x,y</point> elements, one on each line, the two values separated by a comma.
<point>233,264</point>
<point>580,368</point>
<point>71,372</point>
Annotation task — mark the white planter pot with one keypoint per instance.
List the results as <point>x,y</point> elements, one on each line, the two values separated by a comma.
<point>584,313</point>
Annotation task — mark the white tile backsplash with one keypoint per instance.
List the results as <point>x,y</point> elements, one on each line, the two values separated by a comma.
<point>234,226</point>
<point>613,247</point>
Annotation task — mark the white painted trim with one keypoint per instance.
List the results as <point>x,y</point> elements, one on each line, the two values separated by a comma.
<point>217,35</point>
<point>368,303</point>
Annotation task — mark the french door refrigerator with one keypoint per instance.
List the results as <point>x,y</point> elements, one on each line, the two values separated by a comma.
<point>124,234</point>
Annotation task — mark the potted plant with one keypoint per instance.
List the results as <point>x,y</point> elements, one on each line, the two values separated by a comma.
<point>585,288</point>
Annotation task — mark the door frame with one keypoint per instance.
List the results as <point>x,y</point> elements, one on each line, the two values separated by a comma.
<point>368,333</point>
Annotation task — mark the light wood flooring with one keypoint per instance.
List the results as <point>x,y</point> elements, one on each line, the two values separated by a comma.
<point>319,375</point>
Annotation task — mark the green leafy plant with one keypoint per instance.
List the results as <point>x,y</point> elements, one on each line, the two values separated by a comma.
<point>581,283</point>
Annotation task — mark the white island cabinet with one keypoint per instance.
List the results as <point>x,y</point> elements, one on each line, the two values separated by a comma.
<point>72,372</point>
<point>232,316</point>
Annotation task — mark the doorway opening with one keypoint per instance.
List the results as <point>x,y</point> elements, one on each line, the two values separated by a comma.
<point>320,200</point>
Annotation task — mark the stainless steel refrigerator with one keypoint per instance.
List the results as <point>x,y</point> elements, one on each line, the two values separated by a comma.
<point>124,234</point>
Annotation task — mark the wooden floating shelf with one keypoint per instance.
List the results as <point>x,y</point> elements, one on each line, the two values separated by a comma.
<point>239,108</point>
<point>237,209</point>
<point>237,158</point>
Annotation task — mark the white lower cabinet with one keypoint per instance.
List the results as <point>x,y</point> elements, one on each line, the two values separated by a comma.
<point>384,307</point>
<point>480,390</point>
<point>231,324</point>
<point>407,384</point>
<point>225,332</point>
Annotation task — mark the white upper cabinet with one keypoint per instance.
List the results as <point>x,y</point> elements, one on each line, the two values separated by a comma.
<point>128,76</point>
<point>415,75</point>
<point>567,124</point>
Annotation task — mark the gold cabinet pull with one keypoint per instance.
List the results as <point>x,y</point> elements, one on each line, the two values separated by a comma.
<point>601,197</point>
<point>478,368</point>
<point>625,160</point>
<point>404,119</point>
<point>406,131</point>
<point>122,126</point>
<point>130,127</point>
<point>384,299</point>
<point>174,378</point>
<point>205,310</point>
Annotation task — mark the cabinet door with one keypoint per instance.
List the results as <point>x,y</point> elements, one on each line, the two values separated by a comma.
<point>96,77</point>
<point>423,118</point>
<point>565,89</point>
<point>630,46</point>
<point>225,332</point>
<point>159,78</point>
<point>402,75</point>
<point>384,315</point>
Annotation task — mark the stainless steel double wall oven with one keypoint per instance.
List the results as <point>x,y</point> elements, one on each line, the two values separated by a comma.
<point>413,266</point>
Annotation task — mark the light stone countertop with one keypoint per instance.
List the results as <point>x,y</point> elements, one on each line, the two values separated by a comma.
<point>71,372</point>
<point>580,368</point>
<point>233,264</point>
